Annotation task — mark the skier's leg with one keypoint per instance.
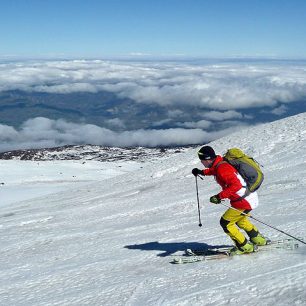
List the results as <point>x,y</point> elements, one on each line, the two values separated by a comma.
<point>252,231</point>
<point>228,222</point>
<point>245,224</point>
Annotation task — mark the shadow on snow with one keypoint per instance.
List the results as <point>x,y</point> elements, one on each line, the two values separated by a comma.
<point>170,248</point>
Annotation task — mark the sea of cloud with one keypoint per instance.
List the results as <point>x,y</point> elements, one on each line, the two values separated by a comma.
<point>42,132</point>
<point>222,89</point>
<point>226,86</point>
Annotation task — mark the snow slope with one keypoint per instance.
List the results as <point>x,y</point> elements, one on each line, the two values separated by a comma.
<point>110,242</point>
<point>22,180</point>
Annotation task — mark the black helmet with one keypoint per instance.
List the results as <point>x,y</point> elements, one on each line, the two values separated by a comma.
<point>206,153</point>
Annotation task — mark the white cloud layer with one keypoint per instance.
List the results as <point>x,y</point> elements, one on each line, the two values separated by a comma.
<point>42,132</point>
<point>216,87</point>
<point>215,94</point>
<point>221,116</point>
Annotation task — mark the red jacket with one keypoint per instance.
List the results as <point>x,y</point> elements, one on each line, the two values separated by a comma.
<point>230,181</point>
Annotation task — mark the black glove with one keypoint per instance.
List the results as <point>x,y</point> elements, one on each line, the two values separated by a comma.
<point>215,199</point>
<point>196,172</point>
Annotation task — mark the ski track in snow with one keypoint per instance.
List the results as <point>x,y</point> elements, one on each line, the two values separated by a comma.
<point>110,242</point>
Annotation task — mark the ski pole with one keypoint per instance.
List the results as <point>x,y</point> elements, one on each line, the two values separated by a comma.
<point>251,217</point>
<point>199,212</point>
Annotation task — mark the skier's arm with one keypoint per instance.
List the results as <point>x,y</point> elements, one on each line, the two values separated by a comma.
<point>207,172</point>
<point>231,180</point>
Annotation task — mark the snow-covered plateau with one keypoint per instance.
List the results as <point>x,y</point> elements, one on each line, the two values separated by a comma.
<point>104,233</point>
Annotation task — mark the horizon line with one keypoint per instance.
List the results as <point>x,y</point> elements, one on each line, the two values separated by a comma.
<point>149,57</point>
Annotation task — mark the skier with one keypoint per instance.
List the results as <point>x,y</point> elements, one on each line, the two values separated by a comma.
<point>233,188</point>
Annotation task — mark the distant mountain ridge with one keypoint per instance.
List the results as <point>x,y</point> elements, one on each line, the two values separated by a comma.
<point>91,152</point>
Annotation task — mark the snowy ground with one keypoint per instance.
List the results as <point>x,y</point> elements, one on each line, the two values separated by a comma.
<point>104,233</point>
<point>23,180</point>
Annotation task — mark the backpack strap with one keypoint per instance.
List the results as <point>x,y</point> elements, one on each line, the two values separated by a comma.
<point>247,193</point>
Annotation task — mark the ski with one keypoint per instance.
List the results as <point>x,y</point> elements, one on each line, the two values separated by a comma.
<point>191,259</point>
<point>192,256</point>
<point>274,244</point>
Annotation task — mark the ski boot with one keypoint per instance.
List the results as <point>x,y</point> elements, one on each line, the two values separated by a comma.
<point>247,248</point>
<point>259,240</point>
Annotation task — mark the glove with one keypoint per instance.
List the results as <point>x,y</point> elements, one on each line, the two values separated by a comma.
<point>215,199</point>
<point>196,172</point>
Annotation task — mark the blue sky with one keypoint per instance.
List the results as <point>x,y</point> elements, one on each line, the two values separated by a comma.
<point>98,28</point>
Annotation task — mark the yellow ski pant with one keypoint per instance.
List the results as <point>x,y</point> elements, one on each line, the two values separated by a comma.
<point>233,220</point>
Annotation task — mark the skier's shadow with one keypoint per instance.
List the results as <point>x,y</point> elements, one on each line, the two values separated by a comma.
<point>170,248</point>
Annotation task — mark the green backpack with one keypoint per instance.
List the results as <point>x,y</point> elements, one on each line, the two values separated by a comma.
<point>247,167</point>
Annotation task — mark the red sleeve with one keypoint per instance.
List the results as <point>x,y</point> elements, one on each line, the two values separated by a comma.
<point>208,172</point>
<point>230,182</point>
